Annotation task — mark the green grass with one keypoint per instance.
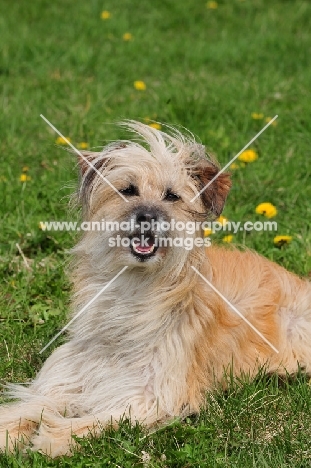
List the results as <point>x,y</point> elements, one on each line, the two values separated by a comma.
<point>207,70</point>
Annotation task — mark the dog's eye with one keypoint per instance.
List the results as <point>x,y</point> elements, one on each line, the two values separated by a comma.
<point>130,191</point>
<point>171,196</point>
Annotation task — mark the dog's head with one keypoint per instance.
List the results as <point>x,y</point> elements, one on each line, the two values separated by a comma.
<point>143,193</point>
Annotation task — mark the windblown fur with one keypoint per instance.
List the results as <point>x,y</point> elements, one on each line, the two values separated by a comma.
<point>159,337</point>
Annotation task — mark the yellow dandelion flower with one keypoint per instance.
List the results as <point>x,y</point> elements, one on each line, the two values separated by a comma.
<point>62,141</point>
<point>234,166</point>
<point>140,85</point>
<point>207,232</point>
<point>83,145</point>
<point>228,239</point>
<point>256,116</point>
<point>155,125</point>
<point>25,169</point>
<point>212,5</point>
<point>127,37</point>
<point>222,220</point>
<point>24,177</point>
<point>266,209</point>
<point>105,15</point>
<point>282,240</point>
<point>249,155</point>
<point>268,119</point>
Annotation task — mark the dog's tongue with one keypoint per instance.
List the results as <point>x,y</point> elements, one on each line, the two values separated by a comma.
<point>143,248</point>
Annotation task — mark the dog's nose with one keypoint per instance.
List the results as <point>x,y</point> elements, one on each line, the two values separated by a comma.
<point>146,217</point>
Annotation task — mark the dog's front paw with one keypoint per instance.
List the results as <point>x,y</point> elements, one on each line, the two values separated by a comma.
<point>12,441</point>
<point>46,443</point>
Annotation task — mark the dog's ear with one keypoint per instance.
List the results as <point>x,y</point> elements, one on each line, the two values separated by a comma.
<point>86,160</point>
<point>214,196</point>
<point>90,163</point>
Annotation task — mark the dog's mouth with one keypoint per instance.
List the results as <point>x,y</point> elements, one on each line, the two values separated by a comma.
<point>143,246</point>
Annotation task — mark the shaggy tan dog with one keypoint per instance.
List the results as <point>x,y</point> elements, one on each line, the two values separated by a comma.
<point>158,337</point>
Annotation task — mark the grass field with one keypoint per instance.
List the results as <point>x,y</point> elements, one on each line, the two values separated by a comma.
<point>207,67</point>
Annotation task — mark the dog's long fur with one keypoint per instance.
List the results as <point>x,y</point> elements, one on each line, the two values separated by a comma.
<point>159,337</point>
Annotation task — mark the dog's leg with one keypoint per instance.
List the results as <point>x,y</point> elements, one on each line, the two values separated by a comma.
<point>46,430</point>
<point>17,424</point>
<point>31,424</point>
<point>44,399</point>
<point>71,397</point>
<point>54,436</point>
